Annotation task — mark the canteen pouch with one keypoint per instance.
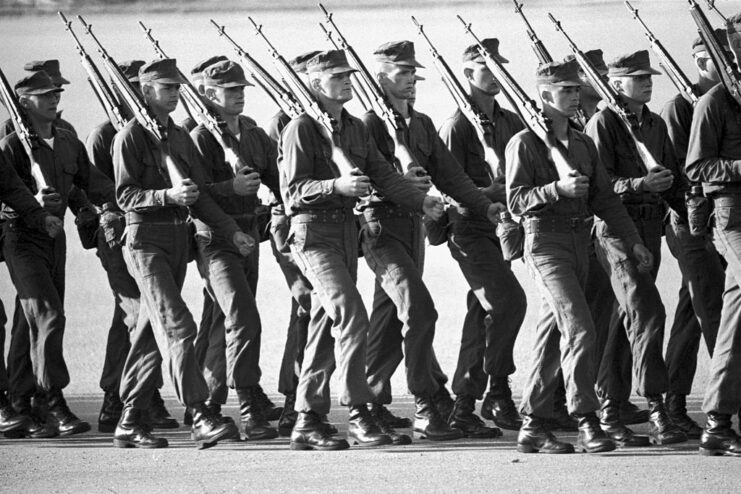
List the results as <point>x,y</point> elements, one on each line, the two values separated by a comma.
<point>87,227</point>
<point>437,230</point>
<point>511,237</point>
<point>112,223</point>
<point>698,212</point>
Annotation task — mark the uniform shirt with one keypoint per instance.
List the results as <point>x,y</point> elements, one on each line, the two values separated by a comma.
<point>432,155</point>
<point>714,152</point>
<point>461,138</point>
<point>6,128</point>
<point>677,114</point>
<point>618,153</point>
<point>277,124</point>
<point>532,177</point>
<point>98,145</point>
<point>66,168</point>
<point>16,195</point>
<point>255,149</point>
<point>142,178</point>
<point>308,172</point>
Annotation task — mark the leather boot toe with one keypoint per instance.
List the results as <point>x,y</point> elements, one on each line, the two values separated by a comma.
<point>362,429</point>
<point>309,433</point>
<point>130,433</point>
<point>534,437</point>
<point>718,438</point>
<point>591,438</point>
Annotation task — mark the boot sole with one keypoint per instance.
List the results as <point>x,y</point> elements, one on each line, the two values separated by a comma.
<point>309,447</point>
<point>602,449</point>
<point>372,444</point>
<point>80,429</point>
<point>526,448</point>
<point>716,452</point>
<point>120,443</point>
<point>260,437</point>
<point>659,442</point>
<point>423,435</point>
<point>627,444</point>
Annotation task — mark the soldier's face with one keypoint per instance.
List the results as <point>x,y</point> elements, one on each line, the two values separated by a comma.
<point>42,106</point>
<point>399,81</point>
<point>637,88</point>
<point>229,100</point>
<point>162,97</point>
<point>564,99</point>
<point>482,78</point>
<point>334,87</point>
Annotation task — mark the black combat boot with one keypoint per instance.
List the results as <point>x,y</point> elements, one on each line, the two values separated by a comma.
<point>209,428</point>
<point>499,407</point>
<point>110,412</point>
<point>10,420</point>
<point>662,430</point>
<point>269,410</point>
<point>561,420</point>
<point>443,402</point>
<point>254,425</point>
<point>591,438</point>
<point>380,412</point>
<point>159,417</point>
<point>62,417</point>
<point>464,419</point>
<point>719,438</point>
<point>616,429</point>
<point>676,408</point>
<point>130,432</point>
<point>428,424</point>
<point>310,433</point>
<point>385,421</point>
<point>534,437</point>
<point>288,417</point>
<point>34,426</point>
<point>630,414</point>
<point>362,429</point>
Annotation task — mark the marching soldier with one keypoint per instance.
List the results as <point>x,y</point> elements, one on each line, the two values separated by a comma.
<point>323,239</point>
<point>555,211</point>
<point>496,302</point>
<point>156,183</point>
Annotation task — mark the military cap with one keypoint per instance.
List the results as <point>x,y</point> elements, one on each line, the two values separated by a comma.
<point>471,54</point>
<point>51,67</point>
<point>632,64</point>
<point>198,69</point>
<point>419,78</point>
<point>398,53</point>
<point>298,63</point>
<point>720,34</point>
<point>164,71</point>
<point>559,74</point>
<point>225,74</point>
<point>332,61</point>
<point>594,56</point>
<point>130,69</point>
<point>36,83</point>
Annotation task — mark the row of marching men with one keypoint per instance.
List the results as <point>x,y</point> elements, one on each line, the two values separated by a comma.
<point>590,237</point>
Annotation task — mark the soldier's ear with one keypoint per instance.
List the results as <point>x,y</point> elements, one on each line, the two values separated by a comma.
<point>468,73</point>
<point>23,101</point>
<point>617,83</point>
<point>702,63</point>
<point>210,93</point>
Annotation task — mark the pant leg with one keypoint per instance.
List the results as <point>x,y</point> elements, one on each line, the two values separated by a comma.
<point>3,369</point>
<point>385,343</point>
<point>204,326</point>
<point>21,379</point>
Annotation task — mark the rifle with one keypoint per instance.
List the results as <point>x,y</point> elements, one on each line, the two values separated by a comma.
<point>112,107</point>
<point>28,137</point>
<point>301,92</point>
<point>378,103</point>
<point>711,6</point>
<point>538,47</point>
<point>613,99</point>
<point>680,80</point>
<point>729,73</point>
<point>536,120</point>
<point>135,102</point>
<point>274,89</point>
<point>483,125</point>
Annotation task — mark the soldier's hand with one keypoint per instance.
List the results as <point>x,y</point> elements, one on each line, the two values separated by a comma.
<point>183,194</point>
<point>49,199</point>
<point>53,226</point>
<point>354,185</point>
<point>658,180</point>
<point>246,182</point>
<point>244,243</point>
<point>574,186</point>
<point>433,207</point>
<point>643,257</point>
<point>417,176</point>
<point>493,212</point>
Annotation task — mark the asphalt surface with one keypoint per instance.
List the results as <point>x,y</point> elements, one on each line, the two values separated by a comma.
<point>90,463</point>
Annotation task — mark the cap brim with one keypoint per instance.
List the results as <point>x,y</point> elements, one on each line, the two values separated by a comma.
<point>339,70</point>
<point>567,83</point>
<point>60,80</point>
<point>409,63</point>
<point>169,80</point>
<point>633,73</point>
<point>241,83</point>
<point>498,58</point>
<point>419,78</point>
<point>40,91</point>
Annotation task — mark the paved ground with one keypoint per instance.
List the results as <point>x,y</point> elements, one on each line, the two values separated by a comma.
<point>89,463</point>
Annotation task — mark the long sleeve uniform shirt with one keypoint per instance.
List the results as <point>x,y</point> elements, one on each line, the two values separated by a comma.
<point>17,196</point>
<point>308,172</point>
<point>431,154</point>
<point>142,177</point>
<point>532,177</point>
<point>277,124</point>
<point>714,152</point>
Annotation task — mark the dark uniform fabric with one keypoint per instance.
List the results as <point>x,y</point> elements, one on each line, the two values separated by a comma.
<point>556,254</point>
<point>393,245</point>
<point>323,240</point>
<point>496,302</point>
<point>233,356</point>
<point>6,128</point>
<point>714,159</point>
<point>640,309</point>
<point>701,292</point>
<point>157,246</point>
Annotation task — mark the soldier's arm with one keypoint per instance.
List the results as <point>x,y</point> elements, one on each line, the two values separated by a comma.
<point>675,195</point>
<point>210,152</point>
<point>524,196</point>
<point>388,181</point>
<point>704,162</point>
<point>99,152</point>
<point>131,195</point>
<point>270,176</point>
<point>98,188</point>
<point>678,118</point>
<point>15,194</point>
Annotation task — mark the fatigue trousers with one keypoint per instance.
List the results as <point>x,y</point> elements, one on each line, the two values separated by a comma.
<point>641,313</point>
<point>36,264</point>
<point>232,359</point>
<point>558,262</point>
<point>699,305</point>
<point>298,322</point>
<point>393,247</point>
<point>21,380</point>
<point>204,328</point>
<point>156,254</point>
<point>3,368</point>
<point>723,393</point>
<point>327,253</point>
<point>496,307</point>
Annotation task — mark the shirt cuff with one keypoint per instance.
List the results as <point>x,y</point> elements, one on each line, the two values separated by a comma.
<point>328,187</point>
<point>551,192</point>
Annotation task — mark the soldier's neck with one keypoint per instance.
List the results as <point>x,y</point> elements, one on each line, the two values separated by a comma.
<point>589,106</point>
<point>400,105</point>
<point>334,108</point>
<point>484,102</point>
<point>43,128</point>
<point>559,122</point>
<point>232,122</point>
<point>705,84</point>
